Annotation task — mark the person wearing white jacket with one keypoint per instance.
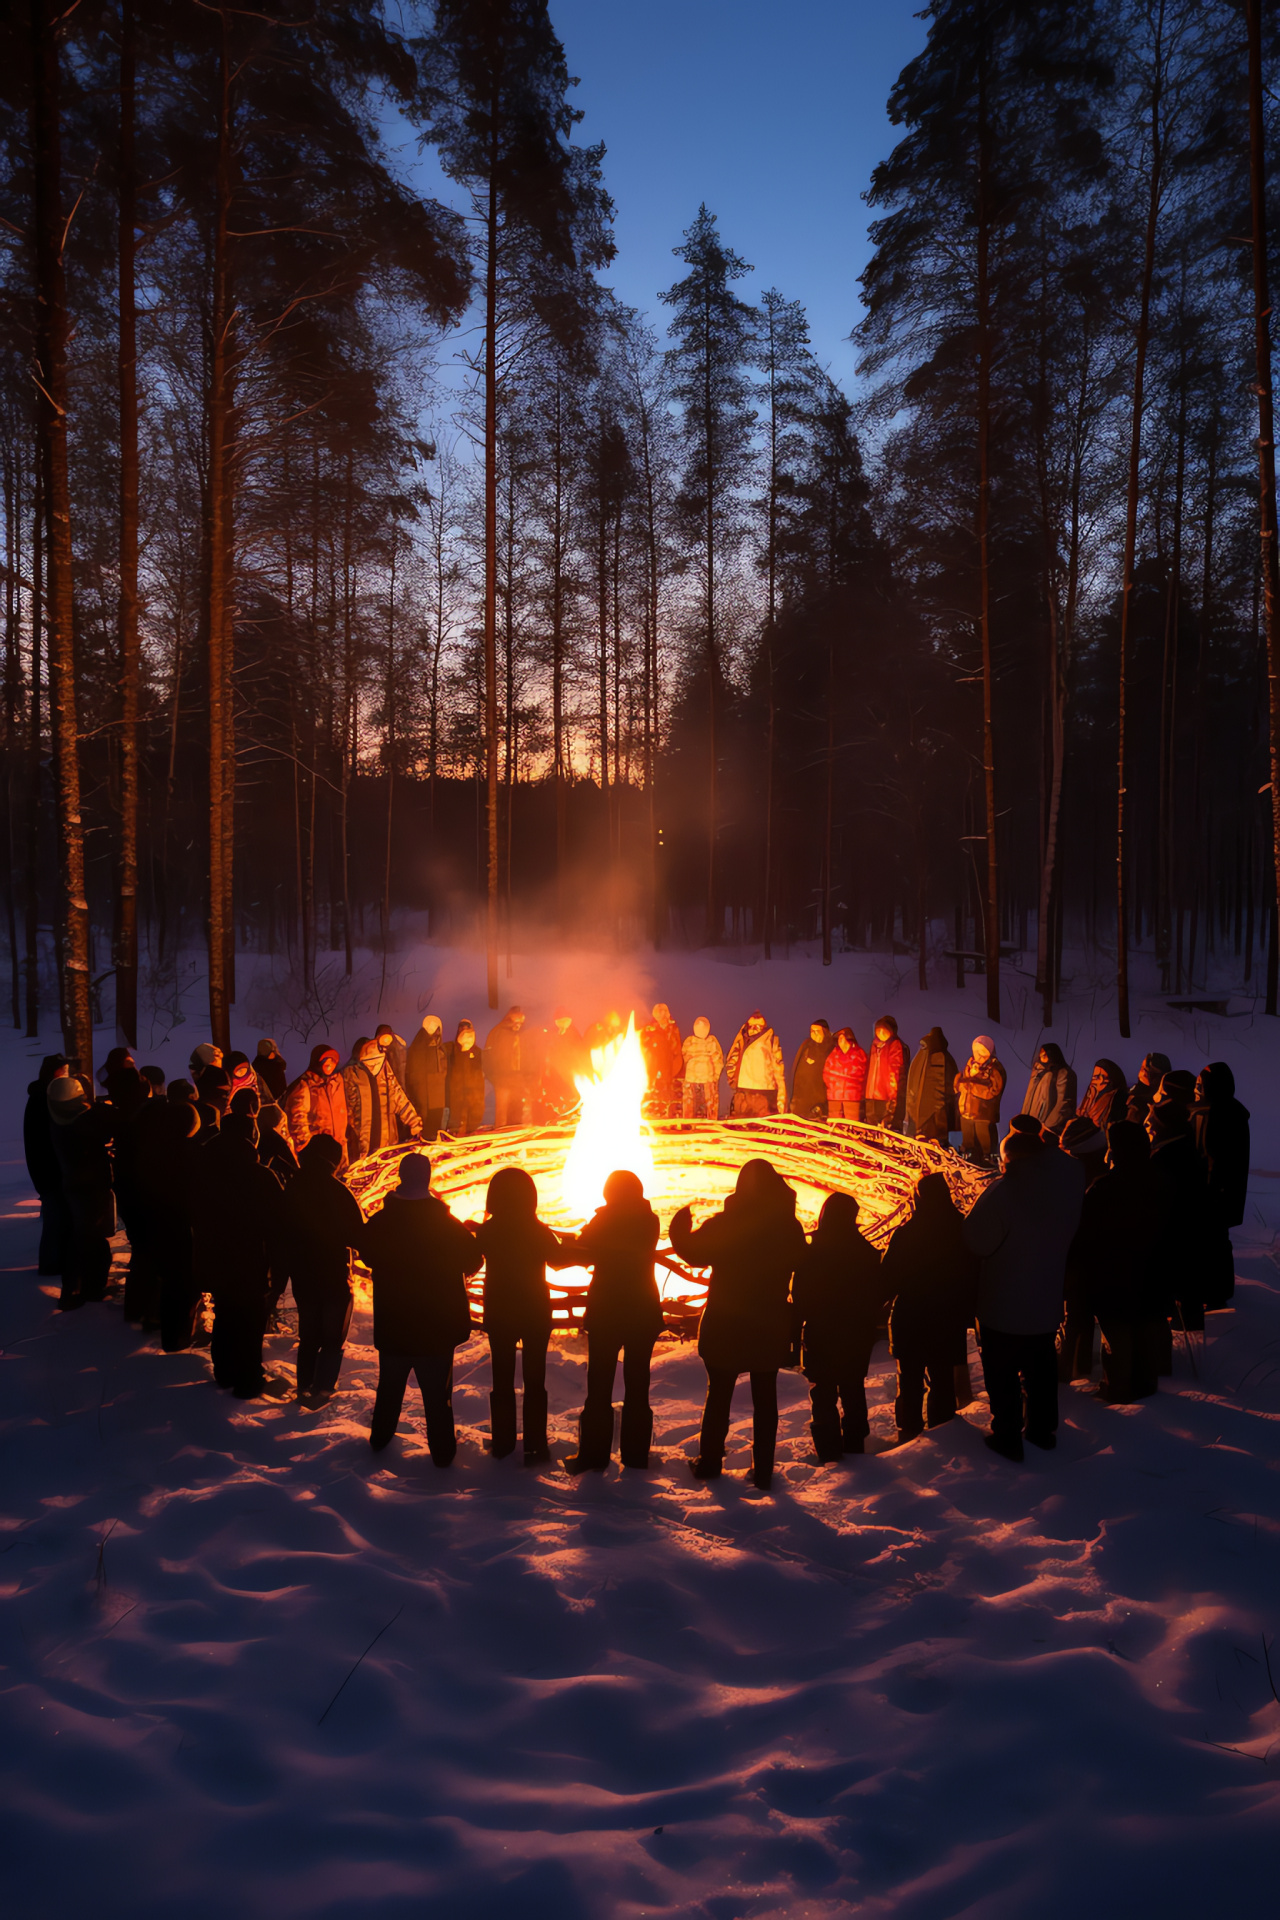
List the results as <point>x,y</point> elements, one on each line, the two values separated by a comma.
<point>703,1065</point>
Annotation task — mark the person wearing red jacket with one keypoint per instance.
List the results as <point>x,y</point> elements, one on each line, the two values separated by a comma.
<point>317,1101</point>
<point>844,1074</point>
<point>886,1076</point>
<point>663,1052</point>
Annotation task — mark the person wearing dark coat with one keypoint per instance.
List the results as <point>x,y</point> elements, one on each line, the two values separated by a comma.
<point>42,1164</point>
<point>1186,1247</point>
<point>82,1129</point>
<point>752,1246</point>
<point>510,1062</point>
<point>1086,1142</point>
<point>1106,1098</point>
<point>274,1149</point>
<point>1114,1265</point>
<point>1143,1091</point>
<point>623,1317</point>
<point>162,1151</point>
<point>837,1301</point>
<point>1220,1129</point>
<point>518,1248</point>
<point>427,1075</point>
<point>1051,1091</point>
<point>931,1097</point>
<point>419,1256</point>
<point>235,1229</point>
<point>464,1086</point>
<point>931,1279</point>
<point>808,1088</point>
<point>565,1059</point>
<point>130,1097</point>
<point>213,1097</point>
<point>272,1071</point>
<point>320,1223</point>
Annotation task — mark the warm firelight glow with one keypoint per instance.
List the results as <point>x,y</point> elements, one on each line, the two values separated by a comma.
<point>611,1130</point>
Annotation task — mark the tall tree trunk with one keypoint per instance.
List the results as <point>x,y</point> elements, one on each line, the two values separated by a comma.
<point>829,807</point>
<point>708,418</point>
<point>491,573</point>
<point>34,795</point>
<point>1131,534</point>
<point>992,915</point>
<point>1270,565</point>
<point>127,885</point>
<point>51,385</point>
<point>350,717</point>
<point>12,703</point>
<point>218,618</point>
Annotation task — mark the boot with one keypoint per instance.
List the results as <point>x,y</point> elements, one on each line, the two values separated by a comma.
<point>535,1425</point>
<point>826,1441</point>
<point>637,1434</point>
<point>502,1423</point>
<point>705,1469</point>
<point>595,1441</point>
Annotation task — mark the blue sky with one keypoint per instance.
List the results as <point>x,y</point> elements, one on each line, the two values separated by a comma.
<point>772,111</point>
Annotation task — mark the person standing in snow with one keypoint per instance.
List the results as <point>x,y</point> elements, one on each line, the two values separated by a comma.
<point>979,1087</point>
<point>808,1088</point>
<point>663,1060</point>
<point>165,1132</point>
<point>317,1101</point>
<point>272,1072</point>
<point>1106,1098</point>
<point>465,1084</point>
<point>517,1249</point>
<point>752,1246</point>
<point>235,1224</point>
<point>320,1224</point>
<point>1220,1129</point>
<point>1051,1091</point>
<point>756,1070</point>
<point>213,1097</point>
<point>508,1055</point>
<point>419,1256</point>
<point>42,1164</point>
<point>564,1060</point>
<point>622,1320</point>
<point>844,1074</point>
<point>1188,1226</point>
<point>1114,1266</point>
<point>931,1094</point>
<point>703,1065</point>
<point>82,1129</point>
<point>396,1054</point>
<point>1143,1091</point>
<point>837,1300</point>
<point>886,1076</point>
<point>427,1075</point>
<point>1021,1229</point>
<point>376,1104</point>
<point>931,1280</point>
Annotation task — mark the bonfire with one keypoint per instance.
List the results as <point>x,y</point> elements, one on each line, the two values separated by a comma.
<point>692,1163</point>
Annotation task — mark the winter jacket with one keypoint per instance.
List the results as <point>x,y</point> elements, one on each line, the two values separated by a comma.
<point>1051,1097</point>
<point>465,1084</point>
<point>979,1088</point>
<point>845,1074</point>
<point>517,1252</point>
<point>1021,1229</point>
<point>703,1060</point>
<point>419,1256</point>
<point>37,1139</point>
<point>1143,1091</point>
<point>376,1110</point>
<point>808,1088</point>
<point>427,1073</point>
<point>1220,1128</point>
<point>618,1244</point>
<point>663,1054</point>
<point>1108,1103</point>
<point>82,1148</point>
<point>764,1066</point>
<point>509,1055</point>
<point>274,1149</point>
<point>320,1223</point>
<point>162,1158</point>
<point>752,1246</point>
<point>273,1079</point>
<point>1114,1266</point>
<point>1188,1224</point>
<point>235,1218</point>
<point>317,1103</point>
<point>931,1084</point>
<point>886,1072</point>
<point>838,1300</point>
<point>931,1278</point>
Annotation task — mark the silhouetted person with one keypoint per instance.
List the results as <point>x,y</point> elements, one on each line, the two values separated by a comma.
<point>931,1279</point>
<point>517,1249</point>
<point>235,1225</point>
<point>272,1071</point>
<point>837,1298</point>
<point>1021,1229</point>
<point>81,1130</point>
<point>42,1164</point>
<point>1115,1265</point>
<point>931,1083</point>
<point>419,1256</point>
<point>1143,1091</point>
<point>213,1097</point>
<point>164,1161</point>
<point>1188,1235</point>
<point>1220,1129</point>
<point>130,1097</point>
<point>752,1247</point>
<point>623,1317</point>
<point>320,1223</point>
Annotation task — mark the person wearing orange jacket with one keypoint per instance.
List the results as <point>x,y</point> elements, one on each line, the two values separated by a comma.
<point>317,1101</point>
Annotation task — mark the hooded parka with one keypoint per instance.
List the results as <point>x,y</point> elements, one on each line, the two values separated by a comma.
<point>317,1102</point>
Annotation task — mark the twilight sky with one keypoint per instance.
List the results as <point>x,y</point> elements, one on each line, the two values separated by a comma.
<point>772,111</point>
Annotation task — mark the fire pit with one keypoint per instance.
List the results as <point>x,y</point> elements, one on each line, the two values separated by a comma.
<point>682,1163</point>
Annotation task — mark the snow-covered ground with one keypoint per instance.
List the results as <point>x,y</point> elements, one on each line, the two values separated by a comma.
<point>250,1668</point>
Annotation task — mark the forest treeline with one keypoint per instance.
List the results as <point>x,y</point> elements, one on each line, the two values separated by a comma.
<point>362,552</point>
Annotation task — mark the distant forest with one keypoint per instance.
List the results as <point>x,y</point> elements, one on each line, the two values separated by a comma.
<point>362,553</point>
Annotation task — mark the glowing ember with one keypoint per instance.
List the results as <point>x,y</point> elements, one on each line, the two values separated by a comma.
<point>611,1131</point>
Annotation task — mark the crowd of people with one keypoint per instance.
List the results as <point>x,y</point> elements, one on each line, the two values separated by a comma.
<point>1110,1212</point>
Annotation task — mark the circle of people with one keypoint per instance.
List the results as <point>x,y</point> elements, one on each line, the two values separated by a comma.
<point>1109,1213</point>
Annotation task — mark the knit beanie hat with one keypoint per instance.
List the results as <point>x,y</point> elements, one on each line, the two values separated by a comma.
<point>985,1040</point>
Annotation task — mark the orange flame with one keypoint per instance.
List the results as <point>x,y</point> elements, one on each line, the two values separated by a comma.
<point>611,1131</point>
